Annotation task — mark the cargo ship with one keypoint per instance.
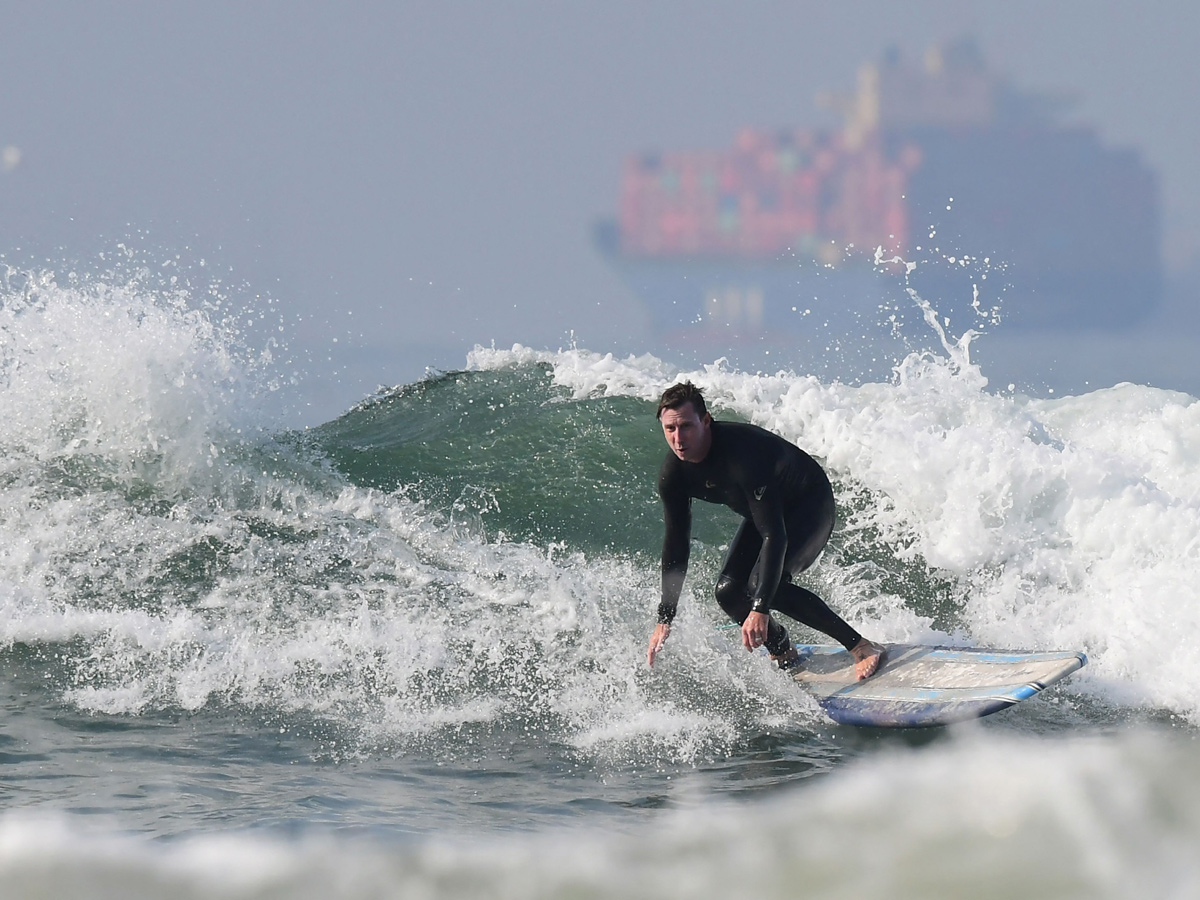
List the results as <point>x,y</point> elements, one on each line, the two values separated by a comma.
<point>944,183</point>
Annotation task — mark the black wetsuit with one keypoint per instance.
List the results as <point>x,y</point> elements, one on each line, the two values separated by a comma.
<point>787,502</point>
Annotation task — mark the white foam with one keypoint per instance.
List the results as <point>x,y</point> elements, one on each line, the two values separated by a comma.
<point>148,380</point>
<point>1109,816</point>
<point>1068,523</point>
<point>1064,523</point>
<point>129,471</point>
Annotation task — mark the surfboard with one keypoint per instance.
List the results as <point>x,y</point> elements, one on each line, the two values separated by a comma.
<point>918,686</point>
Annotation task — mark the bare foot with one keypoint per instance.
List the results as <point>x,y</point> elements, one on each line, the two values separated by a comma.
<point>868,656</point>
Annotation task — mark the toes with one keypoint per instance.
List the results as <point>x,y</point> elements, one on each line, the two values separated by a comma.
<point>868,666</point>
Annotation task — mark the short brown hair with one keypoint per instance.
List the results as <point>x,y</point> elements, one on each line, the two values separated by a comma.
<point>678,395</point>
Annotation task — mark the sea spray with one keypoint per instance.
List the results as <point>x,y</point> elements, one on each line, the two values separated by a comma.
<point>164,555</point>
<point>479,550</point>
<point>429,617</point>
<point>1068,523</point>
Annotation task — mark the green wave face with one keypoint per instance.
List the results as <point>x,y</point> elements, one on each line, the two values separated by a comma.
<point>516,455</point>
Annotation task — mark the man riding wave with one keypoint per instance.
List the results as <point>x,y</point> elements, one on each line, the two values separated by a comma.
<point>787,509</point>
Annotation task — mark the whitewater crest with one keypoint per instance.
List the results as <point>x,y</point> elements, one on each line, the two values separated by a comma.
<point>163,551</point>
<point>127,369</point>
<point>1063,523</point>
<point>478,551</point>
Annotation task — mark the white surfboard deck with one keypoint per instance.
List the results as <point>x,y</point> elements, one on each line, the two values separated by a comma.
<point>919,685</point>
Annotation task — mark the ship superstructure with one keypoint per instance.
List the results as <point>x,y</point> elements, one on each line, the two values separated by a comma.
<point>1004,210</point>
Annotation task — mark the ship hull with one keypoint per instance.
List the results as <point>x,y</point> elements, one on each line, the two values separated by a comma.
<point>699,297</point>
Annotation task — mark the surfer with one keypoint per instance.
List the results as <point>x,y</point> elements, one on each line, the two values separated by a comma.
<point>787,509</point>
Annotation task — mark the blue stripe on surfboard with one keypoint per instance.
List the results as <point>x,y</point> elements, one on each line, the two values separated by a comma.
<point>914,715</point>
<point>862,693</point>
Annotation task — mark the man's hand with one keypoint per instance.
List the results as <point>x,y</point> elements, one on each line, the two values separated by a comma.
<point>661,632</point>
<point>754,630</point>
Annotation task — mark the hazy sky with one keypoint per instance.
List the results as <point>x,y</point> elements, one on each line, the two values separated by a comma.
<point>413,178</point>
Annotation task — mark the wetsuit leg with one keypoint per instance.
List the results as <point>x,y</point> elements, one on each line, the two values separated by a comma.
<point>735,581</point>
<point>808,527</point>
<point>806,607</point>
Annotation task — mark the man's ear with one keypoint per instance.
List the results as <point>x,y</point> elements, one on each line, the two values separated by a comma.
<point>707,419</point>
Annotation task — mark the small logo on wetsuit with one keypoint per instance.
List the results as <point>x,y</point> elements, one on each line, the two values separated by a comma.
<point>758,492</point>
<point>710,484</point>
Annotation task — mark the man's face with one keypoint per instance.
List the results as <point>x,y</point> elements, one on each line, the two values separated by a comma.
<point>688,435</point>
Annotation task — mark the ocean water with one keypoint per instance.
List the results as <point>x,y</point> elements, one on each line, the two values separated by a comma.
<point>402,654</point>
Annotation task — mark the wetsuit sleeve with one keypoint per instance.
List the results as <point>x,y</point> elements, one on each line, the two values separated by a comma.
<point>677,541</point>
<point>766,511</point>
